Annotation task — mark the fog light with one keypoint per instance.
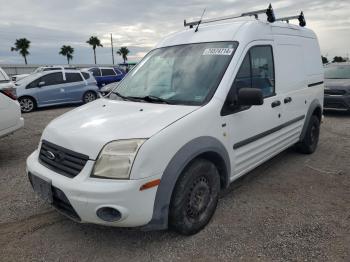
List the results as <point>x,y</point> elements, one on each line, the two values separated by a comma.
<point>108,214</point>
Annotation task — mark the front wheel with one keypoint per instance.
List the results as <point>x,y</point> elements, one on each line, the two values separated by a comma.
<point>89,97</point>
<point>195,197</point>
<point>309,144</point>
<point>27,104</point>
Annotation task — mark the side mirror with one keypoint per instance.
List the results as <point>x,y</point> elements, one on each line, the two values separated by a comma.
<point>250,97</point>
<point>42,83</point>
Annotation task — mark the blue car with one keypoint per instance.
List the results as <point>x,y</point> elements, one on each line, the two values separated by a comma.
<point>106,75</point>
<point>54,88</point>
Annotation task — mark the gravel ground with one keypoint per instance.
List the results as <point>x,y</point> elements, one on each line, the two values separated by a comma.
<point>292,208</point>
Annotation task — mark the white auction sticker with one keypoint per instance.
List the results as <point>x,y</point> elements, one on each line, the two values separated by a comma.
<point>218,51</point>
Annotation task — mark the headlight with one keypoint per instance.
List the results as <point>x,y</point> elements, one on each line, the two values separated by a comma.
<point>116,159</point>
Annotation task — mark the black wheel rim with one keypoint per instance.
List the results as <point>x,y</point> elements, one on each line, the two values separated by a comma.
<point>198,198</point>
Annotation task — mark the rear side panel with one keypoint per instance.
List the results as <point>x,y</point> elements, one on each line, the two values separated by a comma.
<point>299,76</point>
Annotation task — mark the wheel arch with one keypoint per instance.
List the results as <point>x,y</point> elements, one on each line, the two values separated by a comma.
<point>315,108</point>
<point>202,147</point>
<point>29,96</point>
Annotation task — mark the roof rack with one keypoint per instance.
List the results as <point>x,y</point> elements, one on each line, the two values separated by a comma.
<point>269,13</point>
<point>301,18</point>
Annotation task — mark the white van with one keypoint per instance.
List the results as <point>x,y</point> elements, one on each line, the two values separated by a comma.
<point>203,108</point>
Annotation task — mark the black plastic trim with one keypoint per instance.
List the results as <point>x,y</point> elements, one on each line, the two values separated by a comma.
<point>315,84</point>
<point>266,133</point>
<point>67,163</point>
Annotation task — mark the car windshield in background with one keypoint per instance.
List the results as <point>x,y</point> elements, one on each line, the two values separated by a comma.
<point>337,72</point>
<point>185,74</point>
<point>28,79</point>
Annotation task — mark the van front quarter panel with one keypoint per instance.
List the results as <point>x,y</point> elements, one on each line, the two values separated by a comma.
<point>167,153</point>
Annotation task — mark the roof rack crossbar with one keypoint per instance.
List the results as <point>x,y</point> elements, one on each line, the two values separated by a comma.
<point>269,12</point>
<point>300,18</point>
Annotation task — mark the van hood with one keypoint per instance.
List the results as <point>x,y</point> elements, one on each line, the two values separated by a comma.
<point>88,128</point>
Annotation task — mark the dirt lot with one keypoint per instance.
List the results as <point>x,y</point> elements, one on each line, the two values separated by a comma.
<point>292,208</point>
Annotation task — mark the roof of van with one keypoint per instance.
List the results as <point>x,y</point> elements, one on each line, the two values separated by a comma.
<point>241,30</point>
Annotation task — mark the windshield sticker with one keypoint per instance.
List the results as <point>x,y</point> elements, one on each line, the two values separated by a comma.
<point>218,51</point>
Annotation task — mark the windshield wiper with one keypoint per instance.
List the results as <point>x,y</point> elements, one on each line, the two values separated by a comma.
<point>129,98</point>
<point>152,99</point>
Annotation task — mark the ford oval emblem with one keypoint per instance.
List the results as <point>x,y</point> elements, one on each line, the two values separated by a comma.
<point>50,155</point>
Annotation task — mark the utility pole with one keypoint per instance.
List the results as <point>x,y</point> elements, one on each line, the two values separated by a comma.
<point>112,49</point>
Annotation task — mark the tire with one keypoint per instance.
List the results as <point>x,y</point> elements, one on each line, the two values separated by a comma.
<point>89,96</point>
<point>27,104</point>
<point>195,197</point>
<point>309,144</point>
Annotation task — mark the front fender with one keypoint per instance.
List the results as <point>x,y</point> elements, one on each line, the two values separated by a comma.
<point>172,172</point>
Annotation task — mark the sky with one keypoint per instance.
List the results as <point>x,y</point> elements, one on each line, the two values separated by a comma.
<point>140,24</point>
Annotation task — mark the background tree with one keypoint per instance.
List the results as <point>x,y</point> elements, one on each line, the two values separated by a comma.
<point>67,51</point>
<point>123,52</point>
<point>338,59</point>
<point>94,42</point>
<point>22,45</point>
<point>325,60</point>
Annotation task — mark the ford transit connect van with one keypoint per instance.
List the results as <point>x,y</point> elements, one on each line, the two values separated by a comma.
<point>203,108</point>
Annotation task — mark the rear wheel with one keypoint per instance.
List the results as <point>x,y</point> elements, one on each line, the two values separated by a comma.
<point>195,197</point>
<point>89,97</point>
<point>27,104</point>
<point>309,144</point>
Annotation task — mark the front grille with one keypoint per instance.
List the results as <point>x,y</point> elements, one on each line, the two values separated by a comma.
<point>62,204</point>
<point>61,160</point>
<point>334,92</point>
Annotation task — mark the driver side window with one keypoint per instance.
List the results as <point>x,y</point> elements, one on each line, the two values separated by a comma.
<point>257,71</point>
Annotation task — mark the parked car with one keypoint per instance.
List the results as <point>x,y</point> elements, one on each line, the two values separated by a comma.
<point>41,69</point>
<point>105,90</point>
<point>159,149</point>
<point>337,86</point>
<point>106,75</point>
<point>10,113</point>
<point>56,87</point>
<point>127,66</point>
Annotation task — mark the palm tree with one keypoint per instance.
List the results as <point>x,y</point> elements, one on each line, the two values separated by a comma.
<point>67,50</point>
<point>22,45</point>
<point>123,52</point>
<point>94,42</point>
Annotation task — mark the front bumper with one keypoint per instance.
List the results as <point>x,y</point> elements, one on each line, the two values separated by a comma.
<point>86,195</point>
<point>338,102</point>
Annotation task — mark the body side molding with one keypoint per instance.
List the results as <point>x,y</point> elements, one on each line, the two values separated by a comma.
<point>266,133</point>
<point>315,84</point>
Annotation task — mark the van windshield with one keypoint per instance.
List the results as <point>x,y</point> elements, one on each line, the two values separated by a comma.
<point>337,72</point>
<point>185,74</point>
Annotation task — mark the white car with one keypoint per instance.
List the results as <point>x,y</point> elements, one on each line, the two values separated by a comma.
<point>203,108</point>
<point>10,111</point>
<point>16,78</point>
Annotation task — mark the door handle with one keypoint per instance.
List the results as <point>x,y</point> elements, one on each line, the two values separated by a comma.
<point>276,103</point>
<point>287,100</point>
